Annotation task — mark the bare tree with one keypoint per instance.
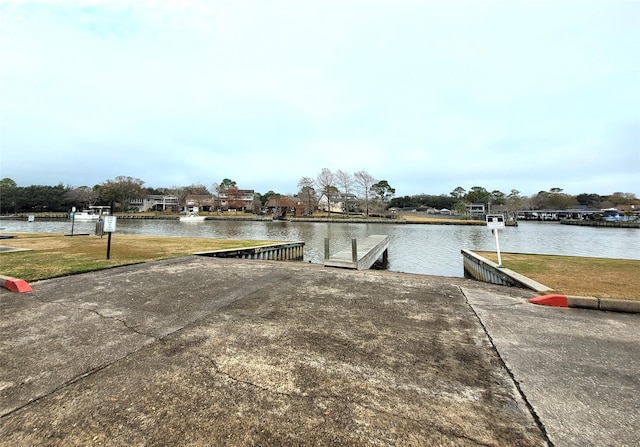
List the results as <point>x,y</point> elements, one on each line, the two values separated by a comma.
<point>307,194</point>
<point>364,181</point>
<point>83,195</point>
<point>197,189</point>
<point>345,181</point>
<point>215,192</point>
<point>326,185</point>
<point>180,192</point>
<point>234,198</point>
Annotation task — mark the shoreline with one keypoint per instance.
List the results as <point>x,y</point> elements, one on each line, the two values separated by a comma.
<point>401,220</point>
<point>377,220</point>
<point>86,253</point>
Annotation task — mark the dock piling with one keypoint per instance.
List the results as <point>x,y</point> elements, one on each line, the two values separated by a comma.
<point>354,250</point>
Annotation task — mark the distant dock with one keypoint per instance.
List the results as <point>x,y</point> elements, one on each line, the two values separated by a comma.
<point>602,223</point>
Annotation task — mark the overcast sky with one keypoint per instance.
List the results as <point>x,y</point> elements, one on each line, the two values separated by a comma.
<point>428,95</point>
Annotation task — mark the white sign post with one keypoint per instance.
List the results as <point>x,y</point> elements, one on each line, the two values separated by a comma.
<point>109,227</point>
<point>73,218</point>
<point>109,224</point>
<point>495,222</point>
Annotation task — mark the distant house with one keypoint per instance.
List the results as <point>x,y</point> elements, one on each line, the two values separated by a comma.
<point>204,202</point>
<point>241,199</point>
<point>284,206</point>
<point>628,209</point>
<point>156,202</point>
<point>476,209</point>
<point>338,202</point>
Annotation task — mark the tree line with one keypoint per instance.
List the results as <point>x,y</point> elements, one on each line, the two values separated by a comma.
<point>372,195</point>
<point>123,190</point>
<point>553,199</point>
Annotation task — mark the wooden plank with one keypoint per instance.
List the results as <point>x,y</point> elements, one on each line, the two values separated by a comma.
<point>368,252</point>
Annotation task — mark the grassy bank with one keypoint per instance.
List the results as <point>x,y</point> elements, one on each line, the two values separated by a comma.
<point>53,255</point>
<point>573,275</point>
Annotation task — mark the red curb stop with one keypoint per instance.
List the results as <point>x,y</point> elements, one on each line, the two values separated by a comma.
<point>551,300</point>
<point>16,285</point>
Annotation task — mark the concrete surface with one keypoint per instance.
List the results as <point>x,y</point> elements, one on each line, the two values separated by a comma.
<point>579,369</point>
<point>204,351</point>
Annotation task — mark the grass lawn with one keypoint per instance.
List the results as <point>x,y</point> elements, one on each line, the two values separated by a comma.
<point>53,255</point>
<point>574,275</point>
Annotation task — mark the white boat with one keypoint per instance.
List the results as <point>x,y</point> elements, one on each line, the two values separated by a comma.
<point>192,217</point>
<point>85,215</point>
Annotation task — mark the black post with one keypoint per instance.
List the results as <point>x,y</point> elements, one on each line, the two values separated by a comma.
<point>109,236</point>
<point>109,245</point>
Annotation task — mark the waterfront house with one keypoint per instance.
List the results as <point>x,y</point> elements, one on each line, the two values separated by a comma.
<point>233,198</point>
<point>338,202</point>
<point>159,202</point>
<point>155,202</point>
<point>276,206</point>
<point>204,202</point>
<point>476,209</point>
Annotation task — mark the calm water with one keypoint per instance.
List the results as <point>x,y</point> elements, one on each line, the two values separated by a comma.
<point>422,249</point>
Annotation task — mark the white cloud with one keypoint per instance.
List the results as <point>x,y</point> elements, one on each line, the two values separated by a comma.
<point>427,94</point>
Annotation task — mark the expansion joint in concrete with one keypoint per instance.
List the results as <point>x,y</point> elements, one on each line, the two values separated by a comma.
<point>506,368</point>
<point>58,388</point>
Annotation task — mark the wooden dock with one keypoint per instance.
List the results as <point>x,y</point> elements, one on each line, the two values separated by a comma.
<point>362,255</point>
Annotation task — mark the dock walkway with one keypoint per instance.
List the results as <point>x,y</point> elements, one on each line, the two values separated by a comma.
<point>362,255</point>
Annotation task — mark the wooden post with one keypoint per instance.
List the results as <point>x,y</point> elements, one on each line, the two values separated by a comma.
<point>326,248</point>
<point>354,250</point>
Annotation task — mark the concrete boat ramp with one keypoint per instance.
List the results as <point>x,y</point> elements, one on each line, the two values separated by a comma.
<point>204,351</point>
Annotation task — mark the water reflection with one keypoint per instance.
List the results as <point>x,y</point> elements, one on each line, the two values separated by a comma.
<point>423,249</point>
